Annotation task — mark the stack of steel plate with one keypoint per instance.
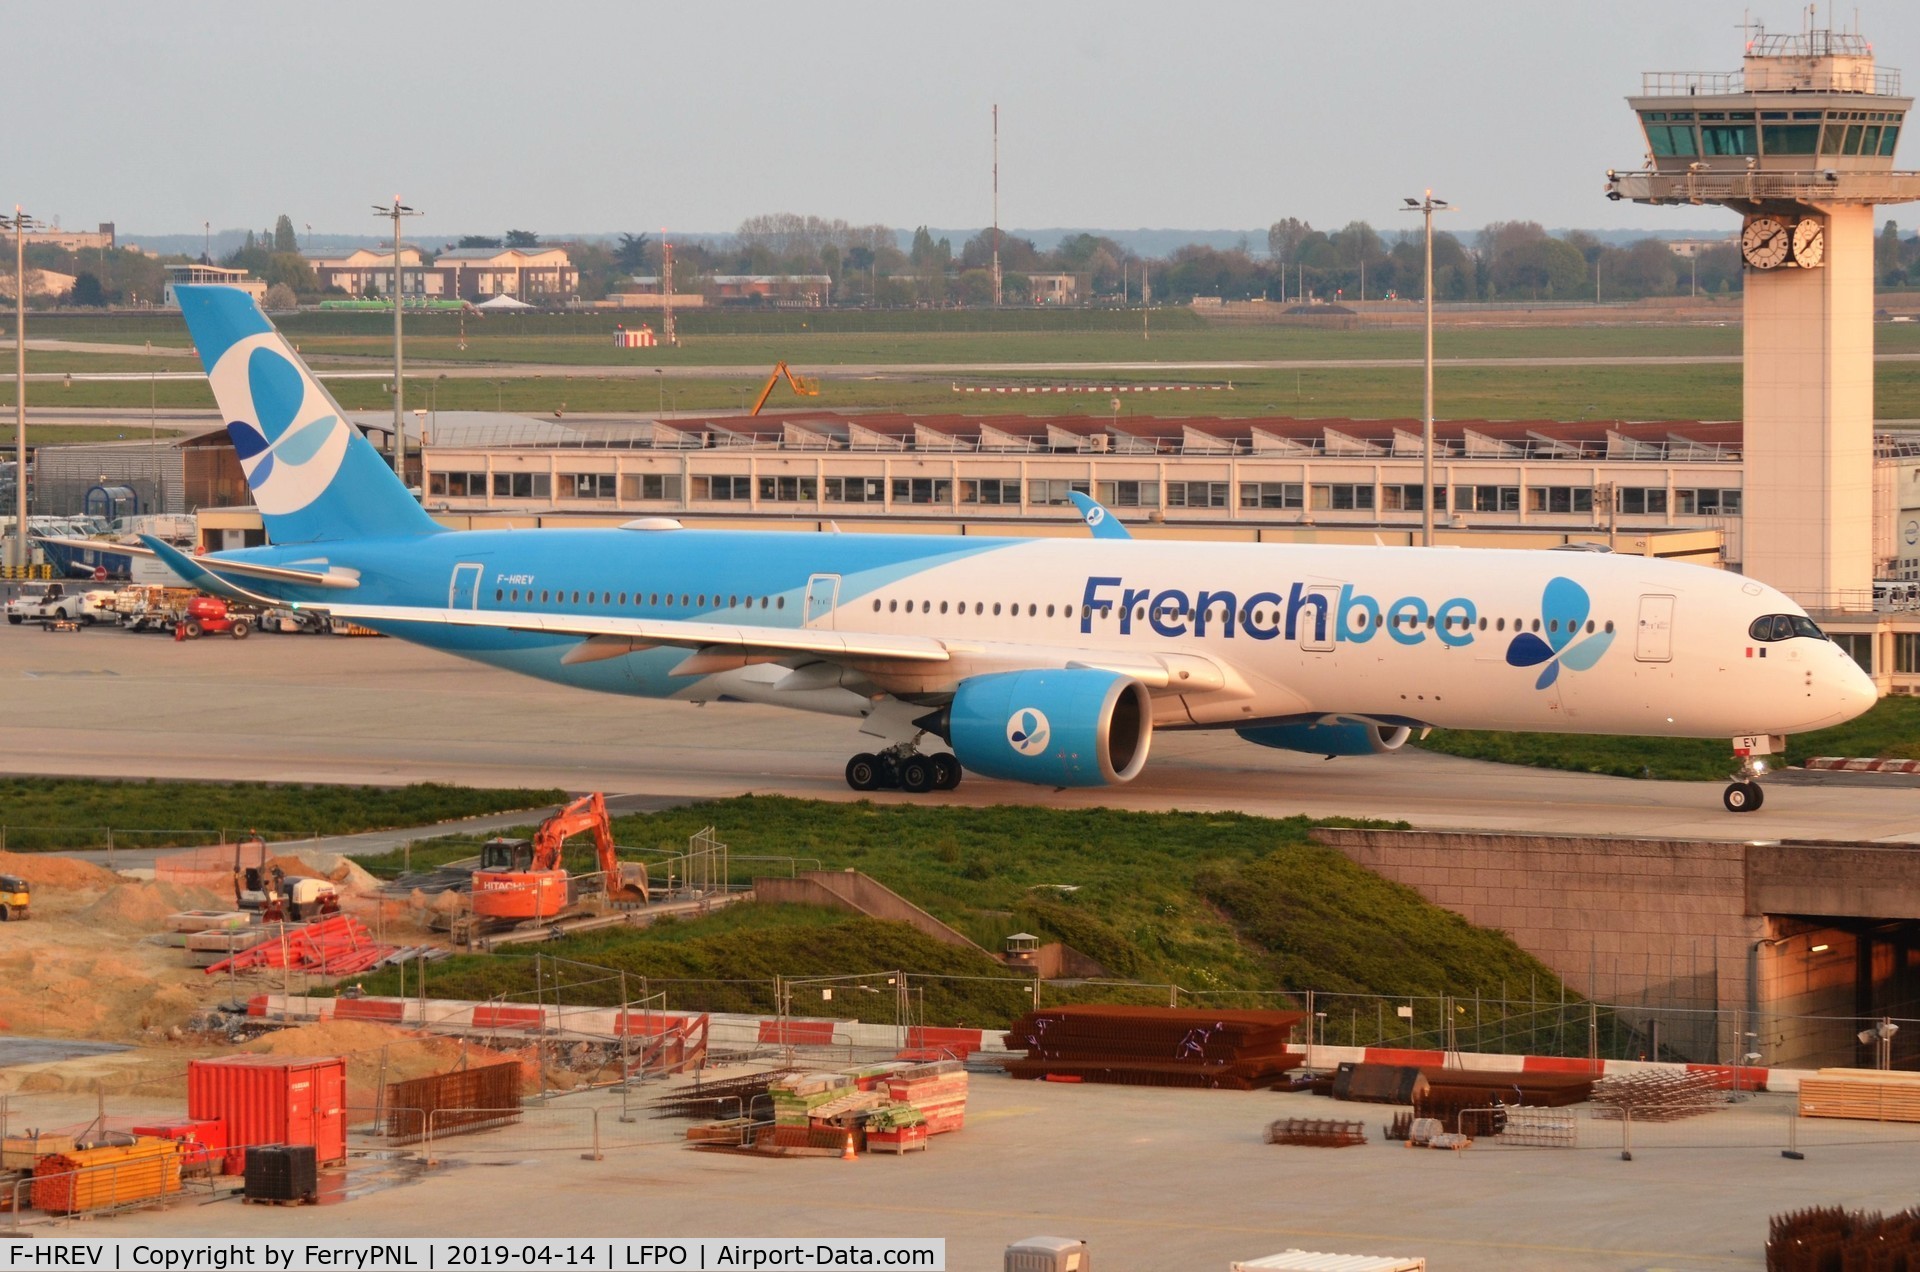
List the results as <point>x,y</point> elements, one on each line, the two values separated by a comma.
<point>1155,1046</point>
<point>938,1091</point>
<point>1379,1083</point>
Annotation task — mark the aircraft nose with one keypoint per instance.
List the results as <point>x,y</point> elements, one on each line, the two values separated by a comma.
<point>1857,690</point>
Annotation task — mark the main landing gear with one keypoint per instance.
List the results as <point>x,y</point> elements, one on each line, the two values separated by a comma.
<point>905,768</point>
<point>1743,794</point>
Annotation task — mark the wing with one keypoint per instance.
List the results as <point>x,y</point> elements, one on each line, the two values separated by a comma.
<point>1102,523</point>
<point>895,662</point>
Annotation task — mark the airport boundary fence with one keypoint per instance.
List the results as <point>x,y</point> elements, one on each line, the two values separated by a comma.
<point>1464,1023</point>
<point>109,839</point>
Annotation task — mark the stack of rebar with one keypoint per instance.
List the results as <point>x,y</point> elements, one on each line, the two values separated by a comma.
<point>1656,1096</point>
<point>1316,1132</point>
<point>1155,1046</point>
<point>1483,1086</point>
<point>460,1102</point>
<point>729,1097</point>
<point>1828,1237</point>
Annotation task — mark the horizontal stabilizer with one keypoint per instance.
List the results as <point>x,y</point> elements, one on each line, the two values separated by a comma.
<point>331,578</point>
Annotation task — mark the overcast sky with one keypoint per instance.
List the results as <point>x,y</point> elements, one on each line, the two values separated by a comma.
<point>583,117</point>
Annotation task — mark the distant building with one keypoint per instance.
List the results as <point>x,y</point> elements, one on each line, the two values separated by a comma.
<point>74,240</point>
<point>1053,289</point>
<point>1687,249</point>
<point>804,290</point>
<point>196,273</point>
<point>643,291</point>
<point>369,272</point>
<point>531,274</point>
<point>40,282</point>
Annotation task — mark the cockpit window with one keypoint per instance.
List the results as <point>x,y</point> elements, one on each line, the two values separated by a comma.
<point>1771,627</point>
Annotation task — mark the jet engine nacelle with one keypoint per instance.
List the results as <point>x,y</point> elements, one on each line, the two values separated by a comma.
<point>1348,737</point>
<point>1076,727</point>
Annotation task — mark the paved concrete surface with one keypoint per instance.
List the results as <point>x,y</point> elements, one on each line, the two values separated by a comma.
<point>1157,1179</point>
<point>15,1049</point>
<point>105,702</point>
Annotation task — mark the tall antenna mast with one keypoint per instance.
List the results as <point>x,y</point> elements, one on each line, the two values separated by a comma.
<point>667,331</point>
<point>996,204</point>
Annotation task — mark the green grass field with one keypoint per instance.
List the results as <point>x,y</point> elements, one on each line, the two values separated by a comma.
<point>1234,907</point>
<point>1464,393</point>
<point>572,346</point>
<point>72,813</point>
<point>1890,730</point>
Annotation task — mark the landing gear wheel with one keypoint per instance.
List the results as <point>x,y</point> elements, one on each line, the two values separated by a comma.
<point>1742,797</point>
<point>863,772</point>
<point>947,772</point>
<point>889,767</point>
<point>918,775</point>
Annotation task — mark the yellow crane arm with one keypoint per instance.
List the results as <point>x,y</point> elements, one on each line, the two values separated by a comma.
<point>802,386</point>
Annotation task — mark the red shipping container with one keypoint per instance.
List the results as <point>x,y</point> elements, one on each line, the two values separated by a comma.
<point>273,1100</point>
<point>200,1142</point>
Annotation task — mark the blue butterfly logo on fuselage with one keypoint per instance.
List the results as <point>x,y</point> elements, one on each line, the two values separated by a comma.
<point>1564,607</point>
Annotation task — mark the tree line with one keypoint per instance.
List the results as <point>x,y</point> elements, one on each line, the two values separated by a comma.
<point>866,265</point>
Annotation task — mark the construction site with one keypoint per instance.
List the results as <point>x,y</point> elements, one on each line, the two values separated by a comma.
<point>201,1031</point>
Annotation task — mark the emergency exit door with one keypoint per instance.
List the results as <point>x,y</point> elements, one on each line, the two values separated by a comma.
<point>464,591</point>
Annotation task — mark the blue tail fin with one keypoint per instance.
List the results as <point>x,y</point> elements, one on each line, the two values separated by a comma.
<point>313,476</point>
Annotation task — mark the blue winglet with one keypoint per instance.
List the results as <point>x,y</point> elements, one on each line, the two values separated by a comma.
<point>1102,523</point>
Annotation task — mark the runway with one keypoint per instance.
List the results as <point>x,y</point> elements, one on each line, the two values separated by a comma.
<point>109,703</point>
<point>333,367</point>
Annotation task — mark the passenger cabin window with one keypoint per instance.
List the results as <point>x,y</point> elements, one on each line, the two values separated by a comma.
<point>1772,627</point>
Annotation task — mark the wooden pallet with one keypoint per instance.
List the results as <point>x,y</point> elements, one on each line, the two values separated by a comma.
<point>1861,1095</point>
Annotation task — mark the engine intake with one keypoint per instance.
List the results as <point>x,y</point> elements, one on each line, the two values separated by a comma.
<point>1075,727</point>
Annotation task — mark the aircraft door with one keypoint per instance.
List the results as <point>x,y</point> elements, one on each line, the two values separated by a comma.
<point>1653,638</point>
<point>823,594</point>
<point>464,591</point>
<point>1313,623</point>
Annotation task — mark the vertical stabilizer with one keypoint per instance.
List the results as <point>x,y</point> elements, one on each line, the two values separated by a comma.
<point>313,476</point>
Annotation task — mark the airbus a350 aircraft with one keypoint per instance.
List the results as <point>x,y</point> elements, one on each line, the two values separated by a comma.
<point>1044,661</point>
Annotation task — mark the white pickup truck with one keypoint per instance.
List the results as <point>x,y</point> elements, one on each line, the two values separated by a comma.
<point>56,601</point>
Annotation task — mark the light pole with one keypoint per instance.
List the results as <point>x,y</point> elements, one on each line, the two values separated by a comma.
<point>1427,207</point>
<point>20,223</point>
<point>397,211</point>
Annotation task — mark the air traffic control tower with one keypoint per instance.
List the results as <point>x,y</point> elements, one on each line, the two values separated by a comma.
<point>1800,141</point>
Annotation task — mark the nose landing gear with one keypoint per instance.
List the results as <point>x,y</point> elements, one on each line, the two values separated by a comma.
<point>904,768</point>
<point>1743,794</point>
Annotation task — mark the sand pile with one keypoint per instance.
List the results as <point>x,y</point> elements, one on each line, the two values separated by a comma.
<point>50,871</point>
<point>140,908</point>
<point>161,1075</point>
<point>345,875</point>
<point>377,1053</point>
<point>89,993</point>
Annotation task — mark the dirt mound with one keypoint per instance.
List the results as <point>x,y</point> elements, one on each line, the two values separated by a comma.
<point>90,993</point>
<point>144,907</point>
<point>377,1053</point>
<point>47,870</point>
<point>448,902</point>
<point>330,1038</point>
<point>342,873</point>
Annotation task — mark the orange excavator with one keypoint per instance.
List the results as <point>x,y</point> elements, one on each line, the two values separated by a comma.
<point>523,879</point>
<point>802,385</point>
